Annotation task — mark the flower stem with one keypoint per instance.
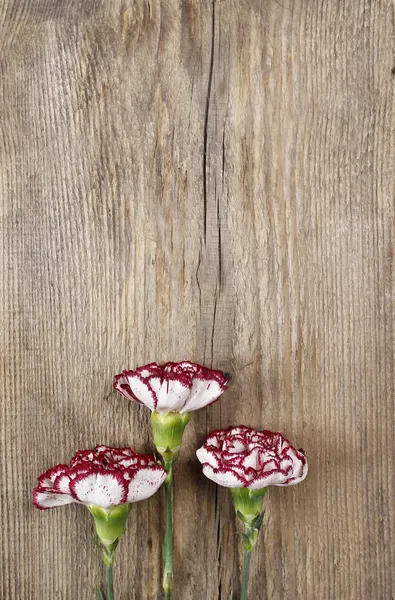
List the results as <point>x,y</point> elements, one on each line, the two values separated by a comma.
<point>252,528</point>
<point>108,559</point>
<point>110,585</point>
<point>167,547</point>
<point>246,573</point>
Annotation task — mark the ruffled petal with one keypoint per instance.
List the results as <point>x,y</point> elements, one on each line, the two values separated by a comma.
<point>207,455</point>
<point>300,474</point>
<point>145,482</point>
<point>82,457</point>
<point>235,444</point>
<point>62,484</point>
<point>121,384</point>
<point>47,479</point>
<point>216,438</point>
<point>173,394</point>
<point>44,499</point>
<point>224,476</point>
<point>101,489</point>
<point>204,391</point>
<point>142,390</point>
<point>274,477</point>
<point>150,370</point>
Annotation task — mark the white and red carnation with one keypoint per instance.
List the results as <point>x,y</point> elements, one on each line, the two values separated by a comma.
<point>103,477</point>
<point>174,387</point>
<point>241,457</point>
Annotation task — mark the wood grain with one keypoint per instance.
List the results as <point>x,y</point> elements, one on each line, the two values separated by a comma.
<point>205,180</point>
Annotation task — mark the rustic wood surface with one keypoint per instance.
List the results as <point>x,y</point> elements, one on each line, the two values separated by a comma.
<point>204,180</point>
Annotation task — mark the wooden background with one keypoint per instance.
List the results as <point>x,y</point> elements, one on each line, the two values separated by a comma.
<point>214,181</point>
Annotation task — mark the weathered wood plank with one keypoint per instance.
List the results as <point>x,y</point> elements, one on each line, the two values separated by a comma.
<point>213,181</point>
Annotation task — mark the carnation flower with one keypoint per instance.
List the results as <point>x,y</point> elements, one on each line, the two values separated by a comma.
<point>171,391</point>
<point>247,462</point>
<point>174,387</point>
<point>106,480</point>
<point>103,477</point>
<point>241,457</point>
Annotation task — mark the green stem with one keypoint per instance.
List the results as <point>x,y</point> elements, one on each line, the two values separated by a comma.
<point>167,547</point>
<point>108,559</point>
<point>246,573</point>
<point>110,585</point>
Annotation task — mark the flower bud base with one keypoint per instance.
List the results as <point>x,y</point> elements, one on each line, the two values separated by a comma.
<point>167,431</point>
<point>249,503</point>
<point>249,509</point>
<point>110,525</point>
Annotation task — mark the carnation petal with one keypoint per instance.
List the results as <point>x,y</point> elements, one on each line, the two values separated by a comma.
<point>251,459</point>
<point>145,482</point>
<point>207,455</point>
<point>224,476</point>
<point>101,489</point>
<point>62,484</point>
<point>203,392</point>
<point>122,386</point>
<point>44,499</point>
<point>47,479</point>
<point>150,370</point>
<point>300,474</point>
<point>264,480</point>
<point>235,444</point>
<point>173,394</point>
<point>142,389</point>
<point>216,438</point>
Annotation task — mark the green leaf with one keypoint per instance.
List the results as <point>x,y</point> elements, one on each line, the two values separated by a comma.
<point>258,521</point>
<point>99,594</point>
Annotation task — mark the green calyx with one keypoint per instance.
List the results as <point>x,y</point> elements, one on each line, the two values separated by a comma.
<point>249,508</point>
<point>167,431</point>
<point>110,525</point>
<point>248,503</point>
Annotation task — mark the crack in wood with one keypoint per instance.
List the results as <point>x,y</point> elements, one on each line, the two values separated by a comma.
<point>206,118</point>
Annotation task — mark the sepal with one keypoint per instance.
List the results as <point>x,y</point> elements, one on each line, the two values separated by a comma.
<point>167,431</point>
<point>248,503</point>
<point>249,509</point>
<point>110,524</point>
<point>252,532</point>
